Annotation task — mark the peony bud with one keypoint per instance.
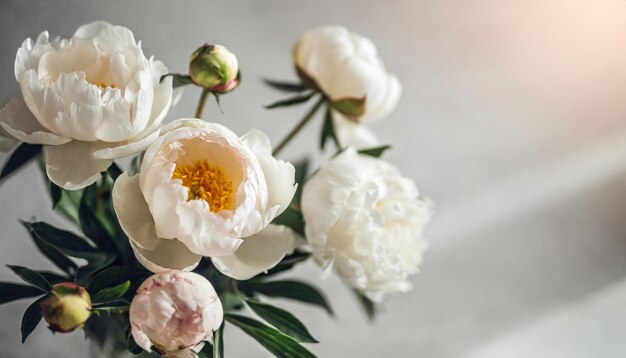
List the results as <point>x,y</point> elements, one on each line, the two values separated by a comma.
<point>67,308</point>
<point>214,68</point>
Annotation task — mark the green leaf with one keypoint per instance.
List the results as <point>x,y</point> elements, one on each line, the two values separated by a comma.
<point>218,342</point>
<point>64,241</point>
<point>55,194</point>
<point>91,223</point>
<point>282,320</point>
<point>178,79</point>
<point>328,130</point>
<point>292,219</point>
<point>85,274</point>
<point>114,276</point>
<point>291,101</point>
<point>287,263</point>
<point>69,203</point>
<point>31,318</point>
<point>111,293</point>
<point>114,307</point>
<point>287,86</point>
<point>350,107</point>
<point>114,171</point>
<point>21,156</point>
<point>33,277</point>
<point>294,290</point>
<point>368,305</point>
<point>15,291</point>
<point>55,256</point>
<point>302,172</point>
<point>53,278</point>
<point>375,151</point>
<point>279,344</point>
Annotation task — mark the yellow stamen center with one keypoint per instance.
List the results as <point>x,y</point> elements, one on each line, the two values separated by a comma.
<point>104,85</point>
<point>208,183</point>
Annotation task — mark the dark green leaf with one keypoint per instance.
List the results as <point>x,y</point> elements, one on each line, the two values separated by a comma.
<point>113,307</point>
<point>90,222</point>
<point>273,340</point>
<point>14,291</point>
<point>292,219</point>
<point>218,342</point>
<point>85,274</point>
<point>132,346</point>
<point>21,156</point>
<point>178,79</point>
<point>33,277</point>
<point>31,318</point>
<point>291,101</point>
<point>294,290</point>
<point>287,86</point>
<point>69,203</point>
<point>286,263</point>
<point>302,172</point>
<point>55,194</point>
<point>111,293</point>
<point>375,151</point>
<point>54,255</point>
<point>64,241</point>
<point>328,130</point>
<point>282,320</point>
<point>114,276</point>
<point>114,171</point>
<point>368,305</point>
<point>53,278</point>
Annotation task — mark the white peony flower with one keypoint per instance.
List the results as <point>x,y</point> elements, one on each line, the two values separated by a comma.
<point>174,313</point>
<point>346,67</point>
<point>201,189</point>
<point>89,100</point>
<point>365,220</point>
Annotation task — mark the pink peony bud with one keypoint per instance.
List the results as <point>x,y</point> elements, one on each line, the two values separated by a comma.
<point>215,68</point>
<point>67,308</point>
<point>174,312</point>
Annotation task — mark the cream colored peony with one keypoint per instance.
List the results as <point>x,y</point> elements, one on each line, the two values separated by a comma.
<point>89,100</point>
<point>200,191</point>
<point>347,68</point>
<point>366,221</point>
<point>174,313</point>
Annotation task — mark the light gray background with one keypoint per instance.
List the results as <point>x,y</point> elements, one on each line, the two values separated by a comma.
<point>513,121</point>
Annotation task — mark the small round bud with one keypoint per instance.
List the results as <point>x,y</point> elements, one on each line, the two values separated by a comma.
<point>214,68</point>
<point>67,308</point>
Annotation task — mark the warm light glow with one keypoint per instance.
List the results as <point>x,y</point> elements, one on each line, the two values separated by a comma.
<point>208,183</point>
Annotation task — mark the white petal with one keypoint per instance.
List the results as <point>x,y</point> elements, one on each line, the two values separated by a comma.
<point>258,253</point>
<point>279,175</point>
<point>19,122</point>
<point>353,134</point>
<point>126,149</point>
<point>107,35</point>
<point>168,254</point>
<point>72,166</point>
<point>389,101</point>
<point>133,212</point>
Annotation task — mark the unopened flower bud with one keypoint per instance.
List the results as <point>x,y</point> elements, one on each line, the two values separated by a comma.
<point>67,308</point>
<point>214,68</point>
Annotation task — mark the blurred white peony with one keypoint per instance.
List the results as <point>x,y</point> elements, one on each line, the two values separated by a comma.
<point>366,221</point>
<point>89,100</point>
<point>174,313</point>
<point>346,67</point>
<point>201,190</point>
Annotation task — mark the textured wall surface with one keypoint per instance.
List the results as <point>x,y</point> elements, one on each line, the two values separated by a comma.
<point>513,121</point>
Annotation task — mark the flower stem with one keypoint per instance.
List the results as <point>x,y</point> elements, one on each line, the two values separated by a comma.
<point>299,127</point>
<point>203,96</point>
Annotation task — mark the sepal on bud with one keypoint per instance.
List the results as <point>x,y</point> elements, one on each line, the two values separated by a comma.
<point>67,308</point>
<point>353,108</point>
<point>215,68</point>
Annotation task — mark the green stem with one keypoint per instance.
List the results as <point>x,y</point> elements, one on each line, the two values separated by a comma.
<point>203,96</point>
<point>299,127</point>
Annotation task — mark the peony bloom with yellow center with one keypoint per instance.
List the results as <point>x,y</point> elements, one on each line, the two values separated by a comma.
<point>203,191</point>
<point>89,100</point>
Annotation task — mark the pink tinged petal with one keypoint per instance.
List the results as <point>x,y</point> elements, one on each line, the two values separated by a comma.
<point>19,122</point>
<point>133,213</point>
<point>279,175</point>
<point>168,254</point>
<point>353,134</point>
<point>72,166</point>
<point>258,253</point>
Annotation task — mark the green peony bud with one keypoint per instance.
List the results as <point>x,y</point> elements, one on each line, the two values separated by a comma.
<point>67,308</point>
<point>214,68</point>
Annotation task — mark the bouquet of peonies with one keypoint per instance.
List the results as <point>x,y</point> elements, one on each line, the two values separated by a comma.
<point>193,233</point>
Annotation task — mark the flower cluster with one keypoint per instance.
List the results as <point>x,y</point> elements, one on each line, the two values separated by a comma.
<point>202,219</point>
